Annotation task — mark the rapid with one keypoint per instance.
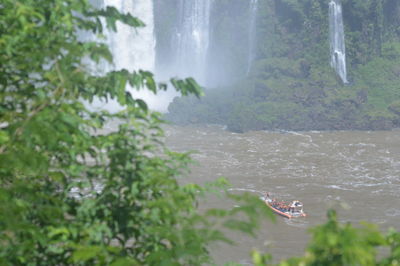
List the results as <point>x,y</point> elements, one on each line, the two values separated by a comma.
<point>357,173</point>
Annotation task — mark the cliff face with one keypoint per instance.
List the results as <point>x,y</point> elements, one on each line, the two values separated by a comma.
<point>291,84</point>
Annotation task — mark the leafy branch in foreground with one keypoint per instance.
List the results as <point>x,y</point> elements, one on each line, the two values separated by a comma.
<point>80,187</point>
<point>334,243</point>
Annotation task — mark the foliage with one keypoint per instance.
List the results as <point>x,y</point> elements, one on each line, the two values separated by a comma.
<point>82,187</point>
<point>291,85</point>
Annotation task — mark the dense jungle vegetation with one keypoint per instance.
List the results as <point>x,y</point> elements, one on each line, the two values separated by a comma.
<point>73,192</point>
<point>291,85</point>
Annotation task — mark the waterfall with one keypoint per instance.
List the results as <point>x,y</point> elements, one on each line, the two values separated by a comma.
<point>336,34</point>
<point>133,49</point>
<point>252,33</point>
<point>192,39</point>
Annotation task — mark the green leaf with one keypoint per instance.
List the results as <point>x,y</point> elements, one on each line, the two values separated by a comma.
<point>125,262</point>
<point>4,137</point>
<point>85,253</point>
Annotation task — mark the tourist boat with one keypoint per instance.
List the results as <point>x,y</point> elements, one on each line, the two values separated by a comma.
<point>292,210</point>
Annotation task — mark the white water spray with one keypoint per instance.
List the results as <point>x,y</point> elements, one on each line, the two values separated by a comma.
<point>252,33</point>
<point>192,39</point>
<point>134,48</point>
<point>336,34</point>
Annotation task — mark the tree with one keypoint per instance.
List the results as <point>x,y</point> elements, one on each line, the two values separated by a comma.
<point>72,192</point>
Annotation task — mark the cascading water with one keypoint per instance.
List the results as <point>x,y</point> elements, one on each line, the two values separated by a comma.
<point>336,34</point>
<point>252,33</point>
<point>133,49</point>
<point>192,39</point>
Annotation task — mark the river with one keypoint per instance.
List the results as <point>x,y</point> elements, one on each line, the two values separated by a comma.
<point>355,172</point>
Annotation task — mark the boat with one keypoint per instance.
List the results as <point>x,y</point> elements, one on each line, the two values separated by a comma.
<point>291,210</point>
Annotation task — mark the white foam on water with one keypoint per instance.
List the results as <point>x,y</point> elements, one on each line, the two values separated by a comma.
<point>337,187</point>
<point>300,222</point>
<point>247,190</point>
<point>392,212</point>
<point>362,145</point>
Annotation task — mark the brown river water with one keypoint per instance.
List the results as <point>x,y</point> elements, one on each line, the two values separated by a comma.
<point>355,172</point>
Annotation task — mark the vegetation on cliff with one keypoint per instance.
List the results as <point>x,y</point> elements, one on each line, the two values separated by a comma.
<point>291,84</point>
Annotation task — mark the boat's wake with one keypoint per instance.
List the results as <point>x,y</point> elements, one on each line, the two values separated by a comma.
<point>300,223</point>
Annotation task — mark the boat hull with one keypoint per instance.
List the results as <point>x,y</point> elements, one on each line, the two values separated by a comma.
<point>284,214</point>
